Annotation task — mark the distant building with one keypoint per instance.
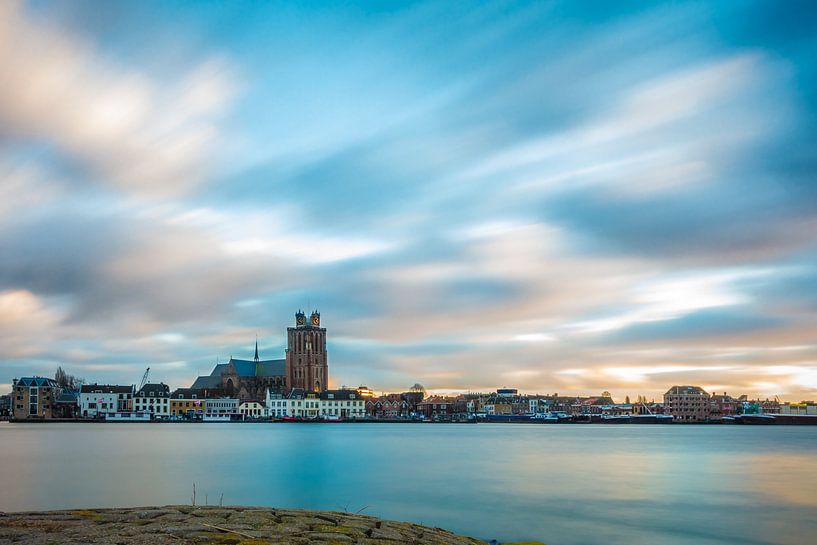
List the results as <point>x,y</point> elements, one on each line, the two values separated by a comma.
<point>306,360</point>
<point>245,379</point>
<point>5,405</point>
<point>619,409</point>
<point>802,408</point>
<point>344,404</point>
<point>538,404</point>
<point>305,404</point>
<point>187,403</point>
<point>644,407</point>
<point>387,406</point>
<point>758,406</point>
<point>34,398</point>
<point>365,391</point>
<point>67,404</point>
<point>221,406</point>
<point>277,405</point>
<point>304,367</point>
<point>296,404</point>
<point>687,404</point>
<point>597,405</point>
<point>442,408</point>
<point>252,409</point>
<point>99,399</point>
<point>153,399</point>
<point>723,405</point>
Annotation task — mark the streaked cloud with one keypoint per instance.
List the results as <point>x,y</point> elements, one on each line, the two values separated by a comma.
<point>555,198</point>
<point>120,124</point>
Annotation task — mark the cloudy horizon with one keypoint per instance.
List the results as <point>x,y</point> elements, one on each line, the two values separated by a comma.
<point>557,197</point>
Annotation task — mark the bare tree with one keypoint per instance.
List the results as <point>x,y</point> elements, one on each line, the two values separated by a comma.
<point>67,381</point>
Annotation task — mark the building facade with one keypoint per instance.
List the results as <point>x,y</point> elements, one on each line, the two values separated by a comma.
<point>442,408</point>
<point>304,367</point>
<point>721,405</point>
<point>802,408</point>
<point>153,399</point>
<point>99,399</point>
<point>5,405</point>
<point>389,406</point>
<point>307,366</point>
<point>252,410</point>
<point>687,404</point>
<point>66,404</point>
<point>343,404</point>
<point>34,398</point>
<point>187,403</point>
<point>221,406</point>
<point>248,380</point>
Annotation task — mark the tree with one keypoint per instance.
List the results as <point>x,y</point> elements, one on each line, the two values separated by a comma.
<point>64,380</point>
<point>627,400</point>
<point>415,395</point>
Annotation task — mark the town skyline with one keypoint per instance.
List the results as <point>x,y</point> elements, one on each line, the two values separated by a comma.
<point>561,197</point>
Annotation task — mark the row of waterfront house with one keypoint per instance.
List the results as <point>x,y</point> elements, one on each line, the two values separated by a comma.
<point>43,398</point>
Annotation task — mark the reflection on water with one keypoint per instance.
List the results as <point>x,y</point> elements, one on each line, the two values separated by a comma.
<point>565,485</point>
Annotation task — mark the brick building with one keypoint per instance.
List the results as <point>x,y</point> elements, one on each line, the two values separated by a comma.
<point>442,408</point>
<point>305,366</point>
<point>687,404</point>
<point>387,406</point>
<point>724,405</point>
<point>34,398</point>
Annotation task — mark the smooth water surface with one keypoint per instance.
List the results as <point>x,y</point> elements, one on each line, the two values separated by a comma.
<point>561,484</point>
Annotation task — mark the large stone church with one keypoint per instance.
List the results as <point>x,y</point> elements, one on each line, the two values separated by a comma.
<point>305,366</point>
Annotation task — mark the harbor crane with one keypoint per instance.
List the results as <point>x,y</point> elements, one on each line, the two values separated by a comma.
<point>144,379</point>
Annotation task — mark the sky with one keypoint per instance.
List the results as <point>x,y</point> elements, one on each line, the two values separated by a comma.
<point>559,197</point>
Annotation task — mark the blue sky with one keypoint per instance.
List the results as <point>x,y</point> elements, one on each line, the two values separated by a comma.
<point>560,197</point>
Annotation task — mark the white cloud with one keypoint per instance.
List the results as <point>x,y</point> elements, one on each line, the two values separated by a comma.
<point>24,185</point>
<point>651,105</point>
<point>24,320</point>
<point>534,338</point>
<point>127,128</point>
<point>667,299</point>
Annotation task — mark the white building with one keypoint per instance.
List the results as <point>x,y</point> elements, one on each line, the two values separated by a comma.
<point>100,399</point>
<point>296,405</point>
<point>252,409</point>
<point>328,404</point>
<point>221,406</point>
<point>153,399</point>
<point>344,404</point>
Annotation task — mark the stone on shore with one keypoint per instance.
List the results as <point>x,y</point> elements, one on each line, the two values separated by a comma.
<point>187,525</point>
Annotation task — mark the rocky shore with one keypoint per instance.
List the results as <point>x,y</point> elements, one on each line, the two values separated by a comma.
<point>182,525</point>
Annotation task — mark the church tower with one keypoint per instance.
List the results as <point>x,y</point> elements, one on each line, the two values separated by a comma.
<point>306,364</point>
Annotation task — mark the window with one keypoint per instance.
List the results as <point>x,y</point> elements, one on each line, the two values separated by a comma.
<point>33,400</point>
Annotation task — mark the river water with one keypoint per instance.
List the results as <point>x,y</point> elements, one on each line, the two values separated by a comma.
<point>561,484</point>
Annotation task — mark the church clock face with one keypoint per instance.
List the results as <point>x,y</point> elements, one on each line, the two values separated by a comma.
<point>316,320</point>
<point>300,320</point>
